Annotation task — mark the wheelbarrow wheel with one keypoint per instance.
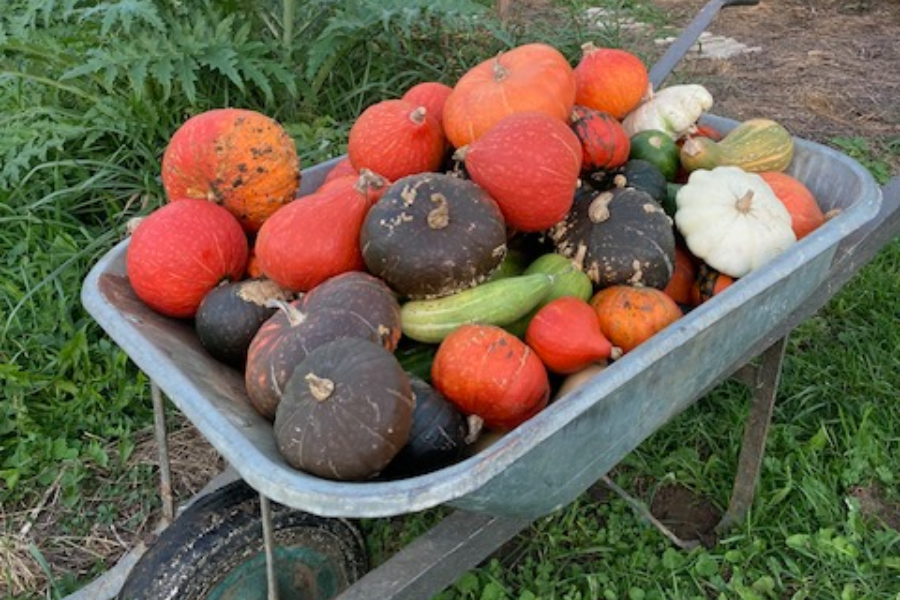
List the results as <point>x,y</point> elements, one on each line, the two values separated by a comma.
<point>215,551</point>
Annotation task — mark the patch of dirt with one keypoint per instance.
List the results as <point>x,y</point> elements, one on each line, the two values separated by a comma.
<point>687,515</point>
<point>825,68</point>
<point>873,505</point>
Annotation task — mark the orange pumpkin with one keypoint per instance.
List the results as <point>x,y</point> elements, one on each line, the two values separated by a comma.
<point>806,215</point>
<point>610,80</point>
<point>630,315</point>
<point>431,95</point>
<point>396,138</point>
<point>240,159</point>
<point>529,163</point>
<point>505,386</point>
<point>531,77</point>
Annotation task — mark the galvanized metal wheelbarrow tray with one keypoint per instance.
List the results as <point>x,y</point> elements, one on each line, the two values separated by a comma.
<point>547,462</point>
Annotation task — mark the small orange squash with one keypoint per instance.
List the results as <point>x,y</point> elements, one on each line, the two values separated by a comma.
<point>531,77</point>
<point>395,138</point>
<point>806,215</point>
<point>630,315</point>
<point>529,162</point>
<point>240,159</point>
<point>610,80</point>
<point>604,142</point>
<point>486,371</point>
<point>565,333</point>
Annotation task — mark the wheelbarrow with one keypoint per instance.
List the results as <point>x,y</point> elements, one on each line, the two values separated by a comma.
<point>265,530</point>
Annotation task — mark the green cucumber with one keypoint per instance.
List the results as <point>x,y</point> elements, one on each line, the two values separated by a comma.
<point>568,279</point>
<point>498,302</point>
<point>513,263</point>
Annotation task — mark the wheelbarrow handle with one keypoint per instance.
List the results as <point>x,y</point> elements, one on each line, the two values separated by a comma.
<point>688,37</point>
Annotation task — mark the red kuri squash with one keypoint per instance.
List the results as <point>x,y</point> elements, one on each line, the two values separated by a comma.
<point>181,251</point>
<point>529,162</point>
<point>806,215</point>
<point>487,371</point>
<point>395,138</point>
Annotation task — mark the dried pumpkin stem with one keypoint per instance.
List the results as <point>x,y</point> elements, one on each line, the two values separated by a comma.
<point>368,180</point>
<point>418,115</point>
<point>744,202</point>
<point>294,315</point>
<point>598,211</point>
<point>320,387</point>
<point>263,291</point>
<point>439,216</point>
<point>500,72</point>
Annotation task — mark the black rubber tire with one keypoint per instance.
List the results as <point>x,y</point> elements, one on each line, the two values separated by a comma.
<point>215,551</point>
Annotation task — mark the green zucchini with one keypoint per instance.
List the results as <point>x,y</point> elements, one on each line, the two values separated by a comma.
<point>498,302</point>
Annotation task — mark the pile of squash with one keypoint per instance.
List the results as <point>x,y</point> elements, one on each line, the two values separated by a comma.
<point>478,245</point>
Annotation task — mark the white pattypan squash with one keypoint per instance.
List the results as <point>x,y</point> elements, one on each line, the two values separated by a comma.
<point>732,220</point>
<point>674,110</point>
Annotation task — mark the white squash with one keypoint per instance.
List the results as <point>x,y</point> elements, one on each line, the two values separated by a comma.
<point>732,220</point>
<point>674,110</point>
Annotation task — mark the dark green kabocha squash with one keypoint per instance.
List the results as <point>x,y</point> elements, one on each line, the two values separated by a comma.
<point>353,304</point>
<point>346,411</point>
<point>618,236</point>
<point>231,314</point>
<point>433,234</point>
<point>439,436</point>
<point>636,173</point>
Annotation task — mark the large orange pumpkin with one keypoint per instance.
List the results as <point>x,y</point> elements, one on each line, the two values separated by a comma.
<point>610,80</point>
<point>531,77</point>
<point>238,158</point>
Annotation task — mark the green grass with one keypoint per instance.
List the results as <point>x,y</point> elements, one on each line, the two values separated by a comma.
<point>89,94</point>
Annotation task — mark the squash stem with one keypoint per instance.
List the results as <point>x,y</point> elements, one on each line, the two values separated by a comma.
<point>320,387</point>
<point>745,202</point>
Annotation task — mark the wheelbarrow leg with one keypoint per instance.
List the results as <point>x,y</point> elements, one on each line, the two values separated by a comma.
<point>162,444</point>
<point>265,510</point>
<point>763,379</point>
